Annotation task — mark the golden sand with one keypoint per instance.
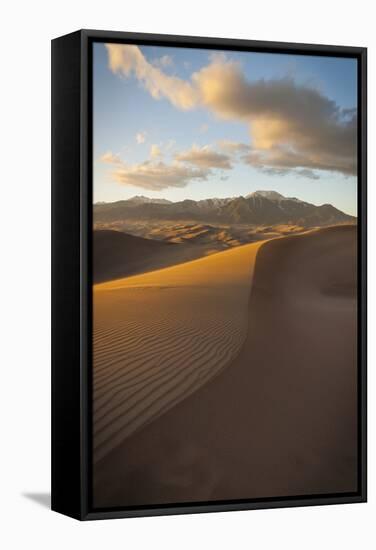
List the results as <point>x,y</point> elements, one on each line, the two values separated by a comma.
<point>161,335</point>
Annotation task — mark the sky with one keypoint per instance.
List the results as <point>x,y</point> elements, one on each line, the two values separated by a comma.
<point>180,123</point>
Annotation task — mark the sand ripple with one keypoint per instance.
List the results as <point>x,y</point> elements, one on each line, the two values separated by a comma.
<point>161,335</point>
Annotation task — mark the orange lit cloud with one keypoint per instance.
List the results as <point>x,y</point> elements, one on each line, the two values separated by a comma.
<point>155,175</point>
<point>204,157</point>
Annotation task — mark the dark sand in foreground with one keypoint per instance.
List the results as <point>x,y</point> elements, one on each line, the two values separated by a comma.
<point>281,420</point>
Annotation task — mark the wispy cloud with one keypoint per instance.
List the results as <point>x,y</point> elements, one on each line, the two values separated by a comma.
<point>110,158</point>
<point>125,59</point>
<point>196,163</point>
<point>158,176</point>
<point>140,137</point>
<point>301,172</point>
<point>154,175</point>
<point>169,145</point>
<point>285,158</point>
<point>292,126</point>
<point>205,157</point>
<point>155,151</point>
<point>233,147</point>
<point>163,61</point>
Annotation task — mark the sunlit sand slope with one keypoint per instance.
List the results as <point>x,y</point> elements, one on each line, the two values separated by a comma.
<point>161,335</point>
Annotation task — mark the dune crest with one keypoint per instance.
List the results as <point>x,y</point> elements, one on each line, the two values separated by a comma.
<point>161,335</point>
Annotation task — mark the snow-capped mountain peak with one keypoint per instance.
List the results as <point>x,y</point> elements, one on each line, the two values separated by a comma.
<point>141,199</point>
<point>271,195</point>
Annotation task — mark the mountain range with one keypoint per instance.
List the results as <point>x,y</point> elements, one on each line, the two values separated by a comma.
<point>258,208</point>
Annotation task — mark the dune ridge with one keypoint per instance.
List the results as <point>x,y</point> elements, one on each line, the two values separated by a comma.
<point>281,419</point>
<point>161,335</point>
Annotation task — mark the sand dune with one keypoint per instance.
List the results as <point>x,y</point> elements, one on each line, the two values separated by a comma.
<point>117,254</point>
<point>199,235</point>
<point>281,419</point>
<point>161,335</point>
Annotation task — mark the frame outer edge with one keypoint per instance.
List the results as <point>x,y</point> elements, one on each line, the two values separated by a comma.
<point>86,38</point>
<point>363,281</point>
<point>66,399</point>
<point>84,274</point>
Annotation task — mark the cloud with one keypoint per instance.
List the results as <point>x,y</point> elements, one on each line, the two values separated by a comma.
<point>154,175</point>
<point>205,157</point>
<point>141,137</point>
<point>291,125</point>
<point>302,172</point>
<point>305,173</point>
<point>155,151</point>
<point>169,145</point>
<point>164,61</point>
<point>158,176</point>
<point>232,147</point>
<point>125,59</point>
<point>288,158</point>
<point>196,163</point>
<point>110,158</point>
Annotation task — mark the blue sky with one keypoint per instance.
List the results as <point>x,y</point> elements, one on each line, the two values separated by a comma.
<point>229,131</point>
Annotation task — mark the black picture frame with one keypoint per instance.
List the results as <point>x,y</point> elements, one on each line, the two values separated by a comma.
<point>71,271</point>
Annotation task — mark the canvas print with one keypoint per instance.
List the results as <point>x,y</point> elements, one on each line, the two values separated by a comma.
<point>224,345</point>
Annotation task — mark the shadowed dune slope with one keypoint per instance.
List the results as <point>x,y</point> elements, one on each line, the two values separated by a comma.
<point>282,418</point>
<point>117,254</point>
<point>161,335</point>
